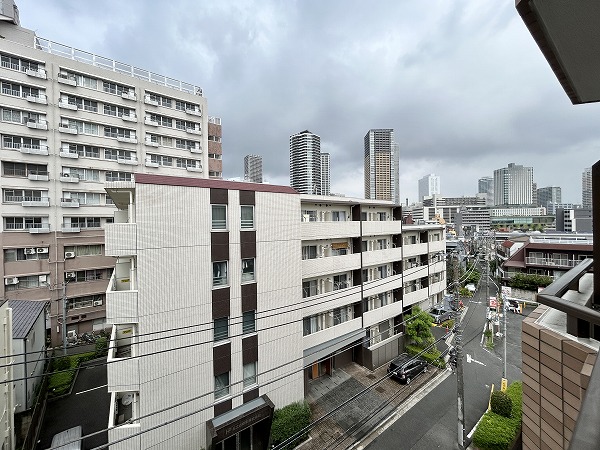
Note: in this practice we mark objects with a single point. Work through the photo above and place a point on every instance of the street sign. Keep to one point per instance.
(504, 384)
(493, 302)
(506, 291)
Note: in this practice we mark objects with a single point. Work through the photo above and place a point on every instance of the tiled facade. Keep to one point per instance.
(556, 371)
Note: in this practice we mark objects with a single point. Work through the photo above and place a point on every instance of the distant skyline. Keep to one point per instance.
(462, 83)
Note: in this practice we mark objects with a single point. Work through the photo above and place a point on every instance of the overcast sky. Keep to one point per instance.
(462, 83)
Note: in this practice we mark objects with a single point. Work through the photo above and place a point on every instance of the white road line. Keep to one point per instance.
(92, 389)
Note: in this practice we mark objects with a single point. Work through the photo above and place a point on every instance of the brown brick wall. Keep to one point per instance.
(215, 147)
(216, 165)
(556, 373)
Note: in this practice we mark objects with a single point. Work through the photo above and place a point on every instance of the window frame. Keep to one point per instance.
(245, 223)
(249, 326)
(250, 380)
(220, 329)
(245, 275)
(219, 227)
(222, 385)
(225, 277)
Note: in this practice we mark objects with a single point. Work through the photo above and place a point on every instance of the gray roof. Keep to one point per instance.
(24, 314)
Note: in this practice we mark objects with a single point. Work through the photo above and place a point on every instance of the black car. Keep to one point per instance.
(405, 368)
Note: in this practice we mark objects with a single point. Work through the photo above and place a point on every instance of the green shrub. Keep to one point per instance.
(501, 403)
(529, 282)
(289, 420)
(496, 432)
(448, 324)
(101, 347)
(60, 383)
(432, 356)
(62, 363)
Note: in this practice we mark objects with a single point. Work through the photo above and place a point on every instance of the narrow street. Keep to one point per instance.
(433, 422)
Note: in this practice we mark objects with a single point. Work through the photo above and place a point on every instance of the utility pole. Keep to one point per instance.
(505, 312)
(460, 387)
(64, 317)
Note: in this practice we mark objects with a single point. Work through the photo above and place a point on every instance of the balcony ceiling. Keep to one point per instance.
(568, 35)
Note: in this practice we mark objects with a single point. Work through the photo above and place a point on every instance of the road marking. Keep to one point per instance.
(470, 360)
(92, 389)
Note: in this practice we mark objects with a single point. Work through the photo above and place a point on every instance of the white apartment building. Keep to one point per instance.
(249, 302)
(72, 120)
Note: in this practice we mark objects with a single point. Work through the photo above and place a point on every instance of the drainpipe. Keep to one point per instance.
(25, 371)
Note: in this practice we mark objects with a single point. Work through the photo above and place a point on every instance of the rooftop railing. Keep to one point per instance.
(66, 51)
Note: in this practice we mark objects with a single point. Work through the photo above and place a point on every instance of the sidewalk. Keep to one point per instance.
(355, 420)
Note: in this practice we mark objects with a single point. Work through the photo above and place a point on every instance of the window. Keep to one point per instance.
(28, 282)
(85, 302)
(340, 282)
(338, 216)
(221, 385)
(249, 374)
(82, 222)
(25, 254)
(249, 322)
(381, 216)
(87, 82)
(382, 272)
(247, 217)
(341, 315)
(248, 270)
(309, 288)
(85, 250)
(118, 176)
(161, 160)
(88, 151)
(410, 239)
(84, 198)
(24, 223)
(81, 173)
(309, 216)
(221, 330)
(381, 244)
(88, 275)
(220, 273)
(309, 251)
(219, 217)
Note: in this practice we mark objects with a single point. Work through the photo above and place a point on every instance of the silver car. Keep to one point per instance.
(440, 315)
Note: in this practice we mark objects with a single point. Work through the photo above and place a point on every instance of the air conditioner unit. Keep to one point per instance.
(42, 278)
(42, 250)
(11, 280)
(30, 251)
(69, 255)
(70, 275)
(97, 303)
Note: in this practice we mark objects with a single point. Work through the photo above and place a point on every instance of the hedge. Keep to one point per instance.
(60, 383)
(432, 356)
(289, 420)
(495, 432)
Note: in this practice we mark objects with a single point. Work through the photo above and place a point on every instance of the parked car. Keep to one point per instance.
(405, 368)
(440, 315)
(471, 288)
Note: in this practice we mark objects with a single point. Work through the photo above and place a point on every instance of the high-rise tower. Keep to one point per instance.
(253, 168)
(513, 185)
(381, 165)
(429, 185)
(325, 173)
(586, 188)
(305, 162)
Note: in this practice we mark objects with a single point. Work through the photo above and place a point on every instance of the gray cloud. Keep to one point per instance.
(462, 83)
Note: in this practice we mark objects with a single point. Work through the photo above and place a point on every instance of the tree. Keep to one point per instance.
(418, 328)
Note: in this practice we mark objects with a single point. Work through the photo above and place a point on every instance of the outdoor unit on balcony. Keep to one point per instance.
(42, 250)
(11, 280)
(30, 251)
(97, 303)
(69, 255)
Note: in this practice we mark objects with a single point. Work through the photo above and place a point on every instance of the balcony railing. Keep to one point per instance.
(551, 261)
(110, 64)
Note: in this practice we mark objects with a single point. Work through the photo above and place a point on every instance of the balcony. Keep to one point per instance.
(128, 161)
(66, 105)
(69, 203)
(375, 227)
(329, 230)
(194, 169)
(150, 143)
(123, 138)
(194, 112)
(149, 121)
(550, 262)
(37, 176)
(123, 371)
(120, 239)
(378, 315)
(43, 202)
(34, 149)
(380, 285)
(65, 128)
(195, 149)
(39, 125)
(121, 432)
(121, 294)
(415, 249)
(69, 228)
(149, 101)
(129, 96)
(38, 228)
(67, 154)
(64, 78)
(66, 178)
(40, 98)
(193, 131)
(129, 117)
(418, 296)
(330, 264)
(329, 334)
(39, 73)
(377, 257)
(149, 163)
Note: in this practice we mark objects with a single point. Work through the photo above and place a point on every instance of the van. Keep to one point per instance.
(68, 440)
